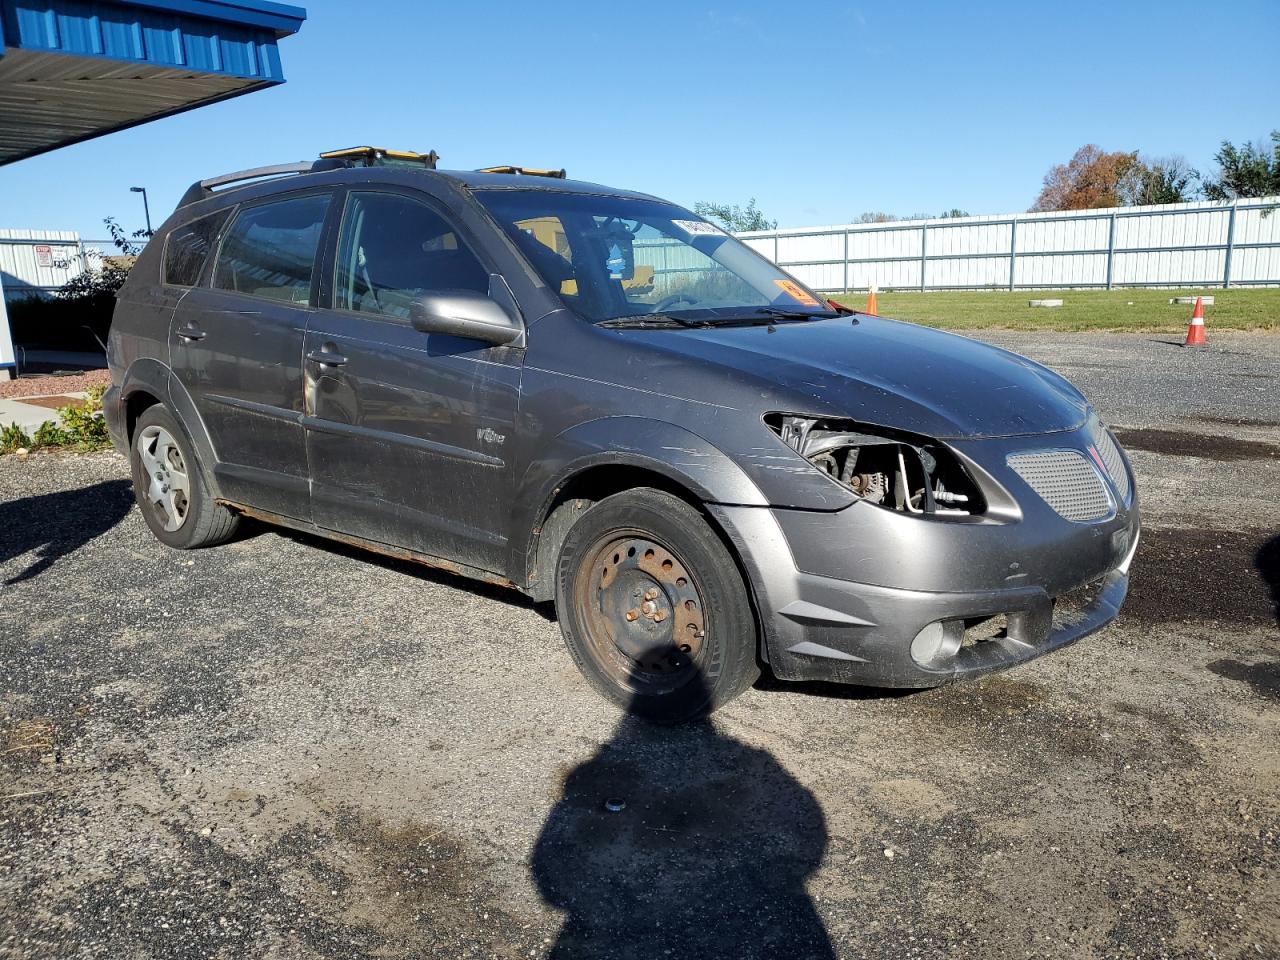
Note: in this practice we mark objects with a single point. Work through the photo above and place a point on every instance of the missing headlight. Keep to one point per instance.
(895, 470)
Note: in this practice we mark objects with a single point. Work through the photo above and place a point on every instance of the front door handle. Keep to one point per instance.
(326, 358)
(189, 331)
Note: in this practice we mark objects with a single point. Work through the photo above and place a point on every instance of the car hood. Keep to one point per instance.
(886, 372)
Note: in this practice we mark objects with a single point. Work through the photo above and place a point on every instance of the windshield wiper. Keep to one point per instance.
(668, 321)
(783, 314)
(650, 321)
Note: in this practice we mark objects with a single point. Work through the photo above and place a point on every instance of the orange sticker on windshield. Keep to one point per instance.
(796, 292)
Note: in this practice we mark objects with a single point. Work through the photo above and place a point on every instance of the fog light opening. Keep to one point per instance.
(937, 643)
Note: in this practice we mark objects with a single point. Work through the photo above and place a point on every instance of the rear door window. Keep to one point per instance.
(270, 250)
(394, 249)
(188, 247)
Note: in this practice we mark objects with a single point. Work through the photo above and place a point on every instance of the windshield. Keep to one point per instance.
(611, 257)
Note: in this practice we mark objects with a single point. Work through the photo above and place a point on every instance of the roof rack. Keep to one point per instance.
(524, 171)
(381, 156)
(330, 160)
(205, 188)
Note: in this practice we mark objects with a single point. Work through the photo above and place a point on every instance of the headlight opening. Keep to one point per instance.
(886, 467)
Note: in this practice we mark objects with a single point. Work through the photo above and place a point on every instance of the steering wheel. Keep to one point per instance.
(669, 301)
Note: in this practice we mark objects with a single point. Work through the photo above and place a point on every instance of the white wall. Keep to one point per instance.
(20, 268)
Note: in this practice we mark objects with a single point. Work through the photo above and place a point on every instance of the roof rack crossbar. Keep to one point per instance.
(204, 188)
(524, 171)
(372, 156)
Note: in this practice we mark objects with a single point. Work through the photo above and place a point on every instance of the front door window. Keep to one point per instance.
(393, 250)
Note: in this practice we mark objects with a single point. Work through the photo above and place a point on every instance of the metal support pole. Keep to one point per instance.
(846, 261)
(1111, 250)
(146, 207)
(775, 249)
(924, 252)
(1231, 243)
(1013, 250)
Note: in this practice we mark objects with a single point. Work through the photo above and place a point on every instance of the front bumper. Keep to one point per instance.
(842, 596)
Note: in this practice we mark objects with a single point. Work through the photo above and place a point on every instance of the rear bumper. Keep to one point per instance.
(1054, 583)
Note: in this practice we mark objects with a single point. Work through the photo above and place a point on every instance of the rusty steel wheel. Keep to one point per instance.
(643, 611)
(653, 608)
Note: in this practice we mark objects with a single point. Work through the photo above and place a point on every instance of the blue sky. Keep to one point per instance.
(819, 110)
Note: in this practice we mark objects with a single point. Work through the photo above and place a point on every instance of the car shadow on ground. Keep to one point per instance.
(53, 525)
(682, 842)
(768, 683)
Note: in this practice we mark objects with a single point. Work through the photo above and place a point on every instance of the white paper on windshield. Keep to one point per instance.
(697, 227)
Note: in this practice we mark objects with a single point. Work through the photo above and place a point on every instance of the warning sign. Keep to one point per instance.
(44, 255)
(796, 292)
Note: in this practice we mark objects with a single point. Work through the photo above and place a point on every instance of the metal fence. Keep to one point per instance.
(1170, 245)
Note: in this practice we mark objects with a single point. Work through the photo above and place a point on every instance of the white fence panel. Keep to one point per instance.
(1255, 264)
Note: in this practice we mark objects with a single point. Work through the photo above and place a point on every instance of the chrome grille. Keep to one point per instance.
(1066, 480)
(1110, 453)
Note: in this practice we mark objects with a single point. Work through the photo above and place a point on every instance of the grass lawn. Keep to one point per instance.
(1131, 309)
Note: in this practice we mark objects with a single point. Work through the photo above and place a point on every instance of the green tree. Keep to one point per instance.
(1250, 170)
(95, 289)
(1160, 180)
(734, 218)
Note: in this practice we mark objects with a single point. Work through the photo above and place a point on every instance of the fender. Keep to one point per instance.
(151, 376)
(661, 447)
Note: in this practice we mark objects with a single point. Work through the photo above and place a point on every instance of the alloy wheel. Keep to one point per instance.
(168, 488)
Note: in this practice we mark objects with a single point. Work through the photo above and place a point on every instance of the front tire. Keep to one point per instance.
(169, 485)
(653, 609)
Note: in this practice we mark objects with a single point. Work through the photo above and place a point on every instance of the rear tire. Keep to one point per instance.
(653, 609)
(169, 485)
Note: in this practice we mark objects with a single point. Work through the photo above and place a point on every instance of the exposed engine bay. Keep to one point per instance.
(899, 472)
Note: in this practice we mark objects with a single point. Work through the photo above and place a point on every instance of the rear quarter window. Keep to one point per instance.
(187, 248)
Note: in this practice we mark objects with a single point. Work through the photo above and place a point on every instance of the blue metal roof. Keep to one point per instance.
(206, 35)
(70, 69)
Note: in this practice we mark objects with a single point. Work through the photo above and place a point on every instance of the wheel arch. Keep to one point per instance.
(148, 382)
(615, 454)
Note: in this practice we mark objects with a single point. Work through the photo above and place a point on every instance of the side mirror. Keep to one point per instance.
(463, 313)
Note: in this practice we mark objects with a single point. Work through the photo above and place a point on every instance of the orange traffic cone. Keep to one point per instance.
(871, 303)
(1195, 329)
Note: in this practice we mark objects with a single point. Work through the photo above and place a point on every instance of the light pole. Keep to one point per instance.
(146, 207)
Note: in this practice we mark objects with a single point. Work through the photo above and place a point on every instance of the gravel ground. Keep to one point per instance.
(285, 748)
(44, 384)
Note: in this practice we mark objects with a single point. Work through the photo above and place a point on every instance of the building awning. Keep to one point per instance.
(71, 70)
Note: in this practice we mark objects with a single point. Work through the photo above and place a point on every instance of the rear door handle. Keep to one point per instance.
(191, 332)
(326, 358)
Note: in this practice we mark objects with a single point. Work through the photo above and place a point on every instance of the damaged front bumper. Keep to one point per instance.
(870, 596)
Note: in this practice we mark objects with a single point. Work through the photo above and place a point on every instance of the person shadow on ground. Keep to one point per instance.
(53, 525)
(682, 842)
